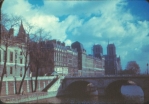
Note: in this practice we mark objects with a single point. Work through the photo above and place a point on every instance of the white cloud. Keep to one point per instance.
(68, 42)
(89, 22)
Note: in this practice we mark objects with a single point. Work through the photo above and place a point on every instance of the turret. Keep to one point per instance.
(22, 34)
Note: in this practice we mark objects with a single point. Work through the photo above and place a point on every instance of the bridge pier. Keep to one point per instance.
(101, 91)
(146, 96)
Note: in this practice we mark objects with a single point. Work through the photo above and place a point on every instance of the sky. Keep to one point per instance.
(123, 22)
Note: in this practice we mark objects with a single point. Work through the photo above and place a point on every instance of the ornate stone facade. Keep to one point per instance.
(15, 49)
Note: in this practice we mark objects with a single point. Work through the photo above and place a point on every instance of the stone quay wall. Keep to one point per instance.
(29, 97)
(9, 86)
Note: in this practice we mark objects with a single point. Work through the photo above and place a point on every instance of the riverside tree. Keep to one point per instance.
(26, 33)
(40, 55)
(132, 68)
(7, 39)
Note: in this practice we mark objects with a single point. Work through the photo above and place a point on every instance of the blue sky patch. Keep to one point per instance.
(36, 2)
(123, 22)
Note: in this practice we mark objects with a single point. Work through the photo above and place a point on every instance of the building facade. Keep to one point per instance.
(88, 63)
(63, 59)
(15, 52)
(112, 62)
(72, 59)
(97, 51)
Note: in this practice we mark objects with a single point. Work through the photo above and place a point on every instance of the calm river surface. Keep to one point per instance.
(132, 94)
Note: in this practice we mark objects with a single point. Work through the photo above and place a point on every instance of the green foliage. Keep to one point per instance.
(132, 68)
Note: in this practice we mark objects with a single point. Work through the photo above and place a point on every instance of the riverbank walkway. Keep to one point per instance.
(20, 98)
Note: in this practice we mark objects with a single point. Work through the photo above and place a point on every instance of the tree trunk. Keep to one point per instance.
(26, 67)
(4, 69)
(22, 82)
(36, 81)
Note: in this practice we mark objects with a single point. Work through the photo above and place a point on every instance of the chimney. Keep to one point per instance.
(54, 41)
(58, 42)
(11, 32)
(63, 44)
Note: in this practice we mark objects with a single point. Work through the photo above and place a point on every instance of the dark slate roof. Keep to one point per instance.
(77, 45)
(22, 34)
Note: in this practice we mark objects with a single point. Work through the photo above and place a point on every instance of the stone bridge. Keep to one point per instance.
(106, 84)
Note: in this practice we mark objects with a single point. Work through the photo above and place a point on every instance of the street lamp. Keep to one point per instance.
(147, 67)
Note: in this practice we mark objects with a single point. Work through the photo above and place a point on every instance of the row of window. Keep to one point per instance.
(97, 65)
(60, 64)
(11, 70)
(60, 57)
(11, 57)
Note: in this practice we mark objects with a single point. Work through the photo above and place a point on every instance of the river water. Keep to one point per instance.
(132, 94)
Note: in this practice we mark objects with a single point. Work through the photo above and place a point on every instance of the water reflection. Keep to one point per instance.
(131, 94)
(79, 100)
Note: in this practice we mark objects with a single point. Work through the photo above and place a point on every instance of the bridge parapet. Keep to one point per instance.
(92, 76)
(101, 82)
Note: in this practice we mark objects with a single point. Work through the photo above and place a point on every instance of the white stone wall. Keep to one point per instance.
(61, 70)
(55, 86)
(15, 63)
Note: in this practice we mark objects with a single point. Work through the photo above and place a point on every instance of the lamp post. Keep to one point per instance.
(147, 67)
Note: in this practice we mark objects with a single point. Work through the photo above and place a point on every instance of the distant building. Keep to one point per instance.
(88, 62)
(112, 62)
(97, 51)
(58, 52)
(81, 51)
(72, 59)
(63, 58)
(15, 57)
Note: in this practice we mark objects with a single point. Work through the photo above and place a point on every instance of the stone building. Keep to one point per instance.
(63, 58)
(72, 59)
(112, 62)
(58, 53)
(97, 51)
(16, 47)
(88, 63)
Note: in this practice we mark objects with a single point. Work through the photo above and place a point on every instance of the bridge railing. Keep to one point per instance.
(86, 74)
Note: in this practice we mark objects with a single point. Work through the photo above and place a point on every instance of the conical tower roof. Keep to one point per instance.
(21, 34)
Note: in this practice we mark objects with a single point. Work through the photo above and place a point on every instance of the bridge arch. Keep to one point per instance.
(103, 83)
(113, 89)
(78, 87)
